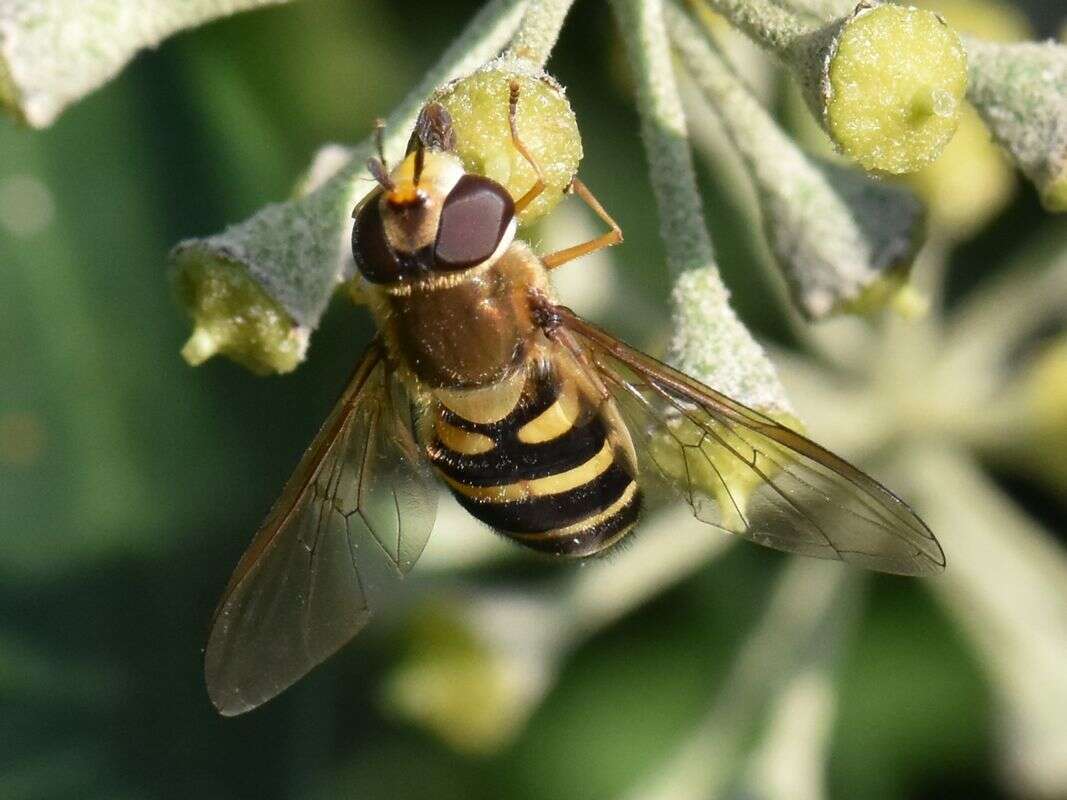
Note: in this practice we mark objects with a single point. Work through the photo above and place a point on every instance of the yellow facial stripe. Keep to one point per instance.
(539, 487)
(460, 441)
(554, 421)
(403, 195)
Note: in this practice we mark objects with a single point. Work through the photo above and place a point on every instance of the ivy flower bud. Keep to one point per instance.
(476, 667)
(257, 289)
(545, 122)
(233, 316)
(887, 84)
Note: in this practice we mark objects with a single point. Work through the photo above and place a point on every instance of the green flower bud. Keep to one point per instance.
(475, 669)
(972, 180)
(233, 316)
(886, 82)
(545, 122)
(892, 83)
(719, 476)
(286, 261)
(843, 240)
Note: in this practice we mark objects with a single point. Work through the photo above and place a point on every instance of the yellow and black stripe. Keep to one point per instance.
(546, 475)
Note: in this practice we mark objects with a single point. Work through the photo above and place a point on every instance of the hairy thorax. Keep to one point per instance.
(467, 331)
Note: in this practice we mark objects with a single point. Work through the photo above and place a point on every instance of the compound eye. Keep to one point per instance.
(474, 219)
(370, 248)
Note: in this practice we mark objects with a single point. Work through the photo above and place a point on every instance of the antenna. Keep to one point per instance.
(379, 141)
(379, 167)
(379, 173)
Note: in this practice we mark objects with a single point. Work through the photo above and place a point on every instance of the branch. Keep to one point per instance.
(54, 52)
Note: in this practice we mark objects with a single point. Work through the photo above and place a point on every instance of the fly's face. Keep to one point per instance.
(430, 221)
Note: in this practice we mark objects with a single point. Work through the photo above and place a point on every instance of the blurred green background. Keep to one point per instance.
(130, 483)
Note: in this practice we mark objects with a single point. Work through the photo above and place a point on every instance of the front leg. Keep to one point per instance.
(612, 237)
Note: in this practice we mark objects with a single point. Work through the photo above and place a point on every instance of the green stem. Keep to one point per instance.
(772, 25)
(710, 342)
(539, 31)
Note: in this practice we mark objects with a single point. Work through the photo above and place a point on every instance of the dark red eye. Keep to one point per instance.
(474, 219)
(373, 255)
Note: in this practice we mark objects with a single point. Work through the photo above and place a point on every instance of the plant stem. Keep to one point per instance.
(709, 342)
(770, 24)
(539, 31)
(666, 137)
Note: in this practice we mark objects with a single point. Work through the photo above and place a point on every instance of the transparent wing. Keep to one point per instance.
(743, 472)
(353, 518)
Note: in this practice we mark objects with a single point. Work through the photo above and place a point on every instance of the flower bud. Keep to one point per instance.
(887, 84)
(233, 316)
(479, 105)
(476, 667)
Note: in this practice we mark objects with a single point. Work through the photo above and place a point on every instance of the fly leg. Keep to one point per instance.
(614, 236)
(539, 185)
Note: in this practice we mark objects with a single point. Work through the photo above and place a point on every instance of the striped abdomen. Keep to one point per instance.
(548, 474)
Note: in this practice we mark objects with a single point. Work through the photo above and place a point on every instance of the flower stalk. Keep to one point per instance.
(538, 31)
(709, 342)
(1020, 90)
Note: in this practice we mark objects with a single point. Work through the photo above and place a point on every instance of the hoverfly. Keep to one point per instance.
(543, 426)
